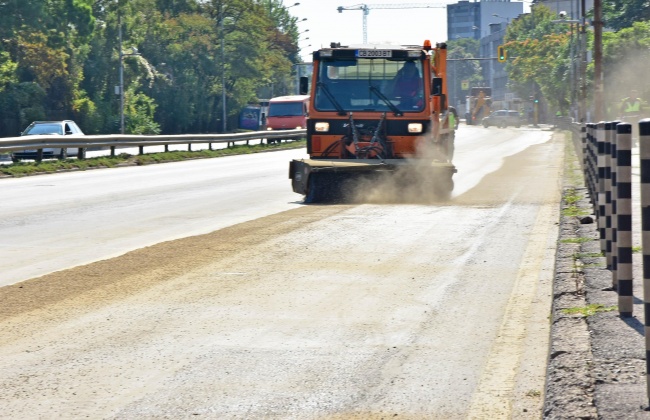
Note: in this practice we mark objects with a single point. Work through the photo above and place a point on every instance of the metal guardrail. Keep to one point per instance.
(40, 142)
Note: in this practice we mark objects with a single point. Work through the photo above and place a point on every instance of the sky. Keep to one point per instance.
(395, 26)
(404, 26)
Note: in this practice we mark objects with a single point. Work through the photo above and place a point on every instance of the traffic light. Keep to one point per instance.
(502, 55)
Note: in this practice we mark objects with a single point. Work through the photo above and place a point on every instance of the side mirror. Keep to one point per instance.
(304, 85)
(436, 86)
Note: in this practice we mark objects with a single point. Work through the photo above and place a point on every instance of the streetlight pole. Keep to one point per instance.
(119, 30)
(223, 70)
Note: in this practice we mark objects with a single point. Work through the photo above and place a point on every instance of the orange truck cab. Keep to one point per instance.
(287, 112)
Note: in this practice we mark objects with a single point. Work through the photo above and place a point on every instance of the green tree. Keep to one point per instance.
(539, 58)
(622, 14)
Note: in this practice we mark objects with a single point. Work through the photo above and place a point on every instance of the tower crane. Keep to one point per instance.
(365, 8)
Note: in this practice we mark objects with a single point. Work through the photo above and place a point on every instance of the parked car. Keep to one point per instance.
(55, 128)
(502, 118)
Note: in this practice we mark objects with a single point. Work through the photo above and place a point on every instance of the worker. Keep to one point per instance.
(453, 118)
(408, 86)
(631, 108)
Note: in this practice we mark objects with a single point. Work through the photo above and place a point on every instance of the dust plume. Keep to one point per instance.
(423, 179)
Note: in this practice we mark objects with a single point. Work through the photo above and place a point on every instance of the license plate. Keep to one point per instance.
(374, 53)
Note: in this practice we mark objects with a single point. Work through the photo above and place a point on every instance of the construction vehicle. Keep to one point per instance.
(363, 134)
(478, 105)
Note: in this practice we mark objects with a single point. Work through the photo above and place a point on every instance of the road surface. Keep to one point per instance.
(279, 310)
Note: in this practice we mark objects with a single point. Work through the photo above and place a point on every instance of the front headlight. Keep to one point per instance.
(415, 127)
(322, 127)
(269, 129)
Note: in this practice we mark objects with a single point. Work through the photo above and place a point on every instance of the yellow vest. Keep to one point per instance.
(632, 106)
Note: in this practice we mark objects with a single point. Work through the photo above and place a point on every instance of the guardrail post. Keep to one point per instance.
(644, 155)
(614, 193)
(166, 148)
(608, 194)
(39, 155)
(141, 149)
(112, 151)
(591, 167)
(600, 141)
(583, 144)
(189, 147)
(623, 277)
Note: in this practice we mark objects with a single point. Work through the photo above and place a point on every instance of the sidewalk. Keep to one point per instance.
(597, 359)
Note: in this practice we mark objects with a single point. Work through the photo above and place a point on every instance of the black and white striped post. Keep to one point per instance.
(591, 166)
(600, 144)
(644, 155)
(608, 194)
(584, 144)
(612, 133)
(622, 277)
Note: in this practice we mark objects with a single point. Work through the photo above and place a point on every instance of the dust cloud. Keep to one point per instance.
(423, 179)
(624, 78)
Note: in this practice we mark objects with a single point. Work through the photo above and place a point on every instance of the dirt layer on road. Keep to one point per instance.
(62, 297)
(111, 280)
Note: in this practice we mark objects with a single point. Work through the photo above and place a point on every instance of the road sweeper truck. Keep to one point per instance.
(378, 116)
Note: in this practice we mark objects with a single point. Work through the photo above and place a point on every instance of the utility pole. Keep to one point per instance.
(583, 63)
(598, 61)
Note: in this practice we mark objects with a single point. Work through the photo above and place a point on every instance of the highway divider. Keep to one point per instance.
(40, 142)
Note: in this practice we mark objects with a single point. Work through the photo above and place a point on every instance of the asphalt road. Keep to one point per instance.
(274, 309)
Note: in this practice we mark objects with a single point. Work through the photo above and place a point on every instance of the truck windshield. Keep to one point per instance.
(355, 84)
(286, 109)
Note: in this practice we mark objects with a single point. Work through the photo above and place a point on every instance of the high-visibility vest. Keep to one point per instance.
(632, 106)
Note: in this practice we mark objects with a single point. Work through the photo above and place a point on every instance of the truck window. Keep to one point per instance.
(353, 84)
(286, 109)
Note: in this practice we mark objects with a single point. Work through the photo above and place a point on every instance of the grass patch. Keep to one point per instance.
(571, 196)
(589, 255)
(597, 265)
(20, 169)
(573, 211)
(575, 240)
(637, 249)
(589, 310)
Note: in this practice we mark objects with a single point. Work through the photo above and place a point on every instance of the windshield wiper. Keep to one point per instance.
(331, 97)
(387, 101)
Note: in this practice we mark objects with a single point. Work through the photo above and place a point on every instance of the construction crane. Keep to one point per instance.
(365, 8)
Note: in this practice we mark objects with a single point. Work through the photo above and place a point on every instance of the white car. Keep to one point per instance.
(55, 128)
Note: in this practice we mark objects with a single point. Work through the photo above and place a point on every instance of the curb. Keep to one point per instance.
(596, 364)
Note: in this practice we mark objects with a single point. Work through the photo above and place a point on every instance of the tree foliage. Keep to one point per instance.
(621, 14)
(539, 57)
(61, 59)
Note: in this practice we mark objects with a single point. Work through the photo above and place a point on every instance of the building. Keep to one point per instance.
(467, 19)
(486, 21)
